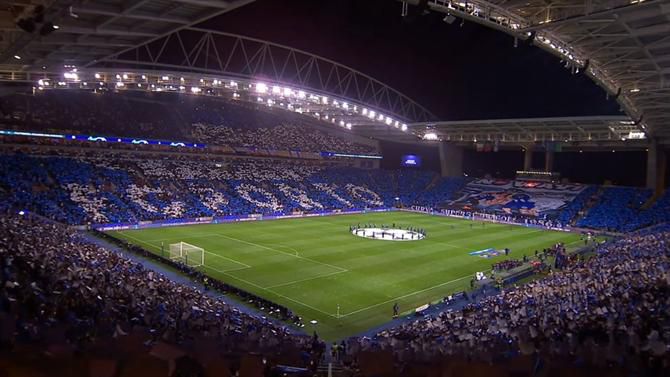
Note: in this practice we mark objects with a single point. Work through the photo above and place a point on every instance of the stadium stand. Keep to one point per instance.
(88, 113)
(104, 187)
(617, 209)
(169, 117)
(64, 311)
(607, 311)
(604, 311)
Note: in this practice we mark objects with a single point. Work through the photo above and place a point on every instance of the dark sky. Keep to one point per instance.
(457, 72)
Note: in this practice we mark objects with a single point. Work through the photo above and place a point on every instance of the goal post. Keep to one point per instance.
(187, 254)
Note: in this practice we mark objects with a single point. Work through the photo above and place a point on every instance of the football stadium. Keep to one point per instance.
(336, 188)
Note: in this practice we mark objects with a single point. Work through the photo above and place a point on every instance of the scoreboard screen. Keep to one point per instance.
(411, 160)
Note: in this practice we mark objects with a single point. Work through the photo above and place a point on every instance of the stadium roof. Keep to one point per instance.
(602, 129)
(80, 32)
(623, 45)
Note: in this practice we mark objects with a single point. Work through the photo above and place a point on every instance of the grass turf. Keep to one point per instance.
(313, 264)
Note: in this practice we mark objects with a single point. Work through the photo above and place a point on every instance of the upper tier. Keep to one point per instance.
(174, 117)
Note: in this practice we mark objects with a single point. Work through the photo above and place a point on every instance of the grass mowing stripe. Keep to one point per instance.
(405, 296)
(279, 251)
(312, 265)
(206, 252)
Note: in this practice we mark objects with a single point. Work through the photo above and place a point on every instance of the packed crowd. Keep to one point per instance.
(608, 310)
(52, 281)
(507, 265)
(86, 112)
(617, 209)
(169, 116)
(82, 185)
(110, 188)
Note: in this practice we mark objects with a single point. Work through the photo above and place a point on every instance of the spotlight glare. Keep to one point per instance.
(261, 87)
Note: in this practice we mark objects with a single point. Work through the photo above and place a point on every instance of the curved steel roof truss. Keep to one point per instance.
(213, 52)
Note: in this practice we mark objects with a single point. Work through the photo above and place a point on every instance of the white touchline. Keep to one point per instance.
(279, 294)
(254, 284)
(306, 279)
(283, 252)
(206, 252)
(407, 295)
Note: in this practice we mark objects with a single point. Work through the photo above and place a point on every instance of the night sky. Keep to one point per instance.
(457, 72)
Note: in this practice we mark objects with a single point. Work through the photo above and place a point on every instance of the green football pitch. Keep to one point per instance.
(313, 265)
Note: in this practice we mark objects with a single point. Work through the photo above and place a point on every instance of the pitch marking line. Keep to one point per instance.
(279, 294)
(206, 252)
(306, 279)
(283, 252)
(403, 296)
(250, 283)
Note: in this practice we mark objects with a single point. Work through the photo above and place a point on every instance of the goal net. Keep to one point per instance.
(187, 254)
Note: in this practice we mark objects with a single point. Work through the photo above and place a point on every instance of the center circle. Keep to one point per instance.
(388, 234)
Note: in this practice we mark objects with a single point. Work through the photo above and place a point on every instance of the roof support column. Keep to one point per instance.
(656, 164)
(549, 161)
(451, 160)
(528, 157)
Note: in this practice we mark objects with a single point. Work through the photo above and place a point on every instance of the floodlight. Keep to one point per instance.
(430, 136)
(119, 84)
(118, 77)
(165, 78)
(365, 111)
(261, 87)
(144, 77)
(349, 126)
(371, 114)
(97, 75)
(17, 57)
(276, 90)
(404, 127)
(288, 92)
(195, 89)
(301, 94)
(125, 76)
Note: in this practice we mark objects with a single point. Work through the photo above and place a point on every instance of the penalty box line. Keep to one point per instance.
(226, 272)
(283, 252)
(206, 252)
(305, 279)
(404, 296)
